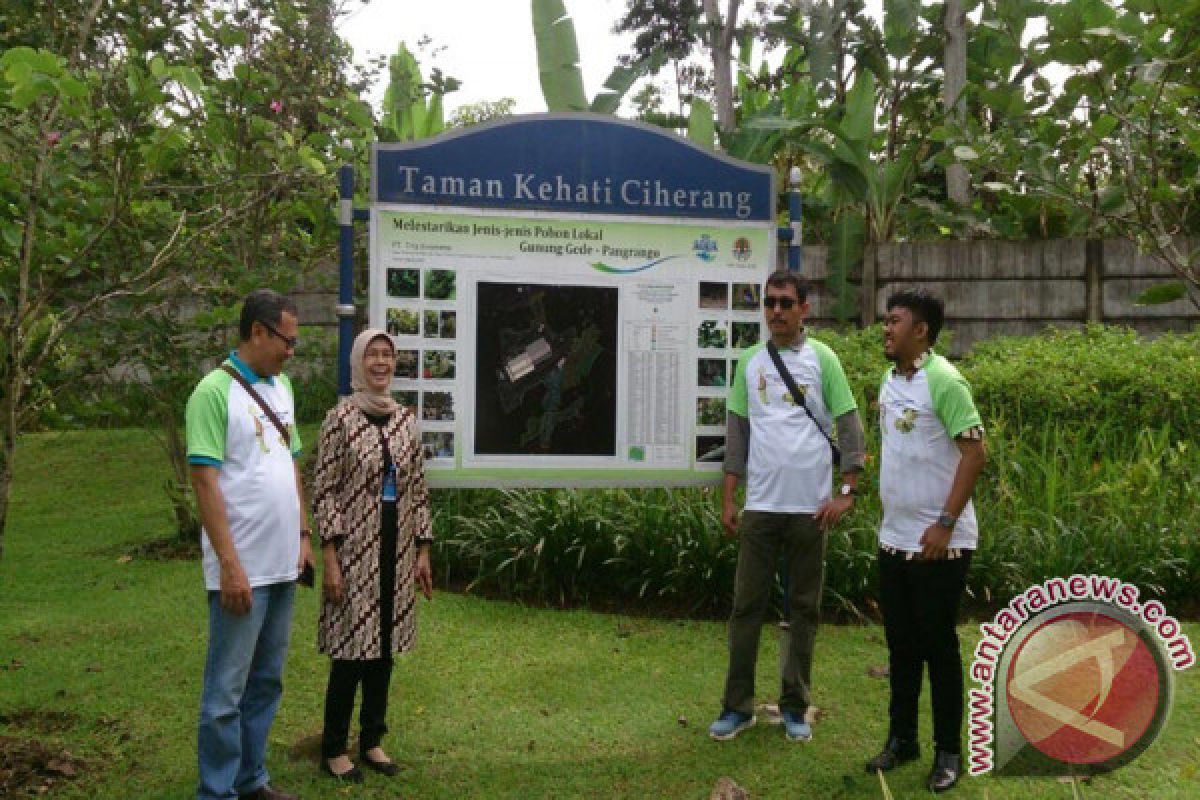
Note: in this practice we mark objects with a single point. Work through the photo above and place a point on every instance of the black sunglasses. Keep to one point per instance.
(774, 300)
(292, 342)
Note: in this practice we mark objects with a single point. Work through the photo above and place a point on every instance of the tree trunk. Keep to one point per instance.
(958, 180)
(720, 40)
(870, 273)
(9, 402)
(7, 448)
(187, 521)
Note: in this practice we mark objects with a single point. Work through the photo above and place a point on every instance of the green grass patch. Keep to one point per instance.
(102, 656)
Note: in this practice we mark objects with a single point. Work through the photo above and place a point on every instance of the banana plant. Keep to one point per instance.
(867, 168)
(558, 64)
(412, 108)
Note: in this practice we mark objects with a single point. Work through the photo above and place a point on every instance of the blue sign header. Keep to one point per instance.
(577, 163)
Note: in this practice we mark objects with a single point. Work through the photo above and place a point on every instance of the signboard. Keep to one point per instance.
(568, 295)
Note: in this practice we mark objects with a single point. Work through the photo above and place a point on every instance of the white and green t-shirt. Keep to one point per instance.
(919, 419)
(226, 428)
(789, 465)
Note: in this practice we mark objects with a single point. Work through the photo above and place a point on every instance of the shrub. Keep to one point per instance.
(1099, 381)
(610, 548)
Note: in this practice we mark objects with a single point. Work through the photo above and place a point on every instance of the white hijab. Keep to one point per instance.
(366, 398)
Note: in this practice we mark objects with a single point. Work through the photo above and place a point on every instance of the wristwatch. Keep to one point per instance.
(847, 490)
(947, 520)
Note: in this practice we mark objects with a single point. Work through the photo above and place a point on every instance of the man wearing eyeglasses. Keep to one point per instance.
(780, 444)
(242, 448)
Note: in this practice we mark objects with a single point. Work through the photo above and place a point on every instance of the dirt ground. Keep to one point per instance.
(31, 765)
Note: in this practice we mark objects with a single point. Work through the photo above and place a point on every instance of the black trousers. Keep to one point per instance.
(920, 601)
(374, 675)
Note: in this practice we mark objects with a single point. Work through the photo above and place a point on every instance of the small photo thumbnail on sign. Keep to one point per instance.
(438, 365)
(437, 406)
(407, 362)
(407, 398)
(402, 322)
(439, 284)
(714, 295)
(437, 444)
(710, 410)
(711, 333)
(745, 334)
(747, 297)
(710, 372)
(403, 282)
(441, 324)
(710, 448)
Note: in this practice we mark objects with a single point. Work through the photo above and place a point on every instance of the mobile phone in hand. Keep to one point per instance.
(307, 576)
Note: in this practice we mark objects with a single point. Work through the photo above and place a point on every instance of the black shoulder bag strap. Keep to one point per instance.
(245, 384)
(798, 397)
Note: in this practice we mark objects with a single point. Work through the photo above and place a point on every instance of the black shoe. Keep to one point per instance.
(352, 775)
(894, 753)
(389, 768)
(944, 774)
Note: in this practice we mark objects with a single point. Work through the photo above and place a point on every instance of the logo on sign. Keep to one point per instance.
(705, 247)
(741, 249)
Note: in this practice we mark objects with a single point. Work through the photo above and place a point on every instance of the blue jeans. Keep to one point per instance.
(243, 681)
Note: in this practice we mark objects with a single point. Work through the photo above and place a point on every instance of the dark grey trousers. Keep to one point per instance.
(764, 538)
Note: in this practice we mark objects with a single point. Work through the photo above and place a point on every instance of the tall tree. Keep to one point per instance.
(1119, 142)
(159, 151)
(671, 30)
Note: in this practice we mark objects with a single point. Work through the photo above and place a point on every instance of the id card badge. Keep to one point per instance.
(389, 484)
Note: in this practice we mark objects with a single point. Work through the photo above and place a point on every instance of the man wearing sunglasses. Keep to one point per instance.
(242, 448)
(780, 444)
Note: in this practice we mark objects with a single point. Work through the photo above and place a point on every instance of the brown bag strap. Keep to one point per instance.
(245, 384)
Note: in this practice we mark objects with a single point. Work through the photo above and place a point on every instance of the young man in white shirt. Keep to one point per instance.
(780, 446)
(932, 454)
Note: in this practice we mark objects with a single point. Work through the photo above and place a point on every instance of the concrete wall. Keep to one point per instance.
(995, 287)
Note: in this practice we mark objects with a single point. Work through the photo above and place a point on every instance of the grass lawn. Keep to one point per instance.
(102, 656)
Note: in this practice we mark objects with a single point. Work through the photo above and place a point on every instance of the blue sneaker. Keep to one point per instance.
(730, 724)
(796, 729)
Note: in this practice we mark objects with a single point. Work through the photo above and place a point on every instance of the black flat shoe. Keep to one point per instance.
(389, 768)
(944, 775)
(352, 775)
(893, 754)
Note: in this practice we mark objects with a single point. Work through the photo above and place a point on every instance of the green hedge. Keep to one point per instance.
(1096, 379)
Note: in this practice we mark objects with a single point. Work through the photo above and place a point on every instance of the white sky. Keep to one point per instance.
(489, 44)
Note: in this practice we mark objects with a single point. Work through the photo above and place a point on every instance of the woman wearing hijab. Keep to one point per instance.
(372, 508)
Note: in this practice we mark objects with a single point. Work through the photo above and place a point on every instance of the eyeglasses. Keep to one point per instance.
(292, 342)
(774, 300)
